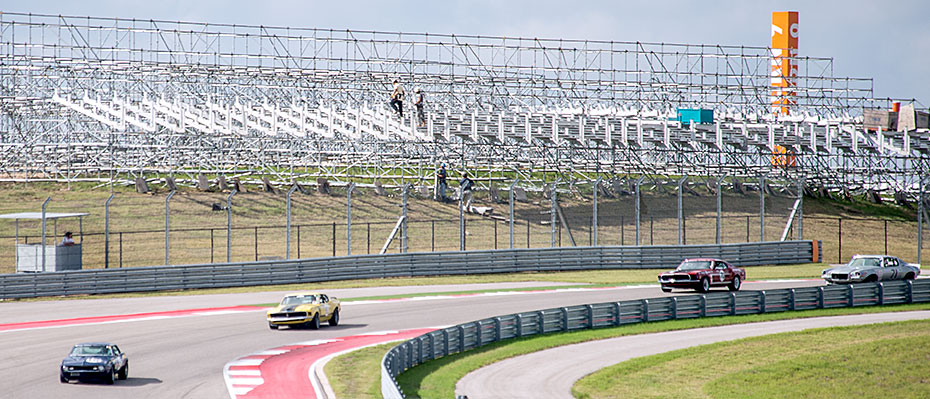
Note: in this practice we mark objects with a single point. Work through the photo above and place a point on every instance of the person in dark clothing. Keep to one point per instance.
(441, 176)
(397, 98)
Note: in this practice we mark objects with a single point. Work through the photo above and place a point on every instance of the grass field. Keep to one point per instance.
(436, 379)
(874, 361)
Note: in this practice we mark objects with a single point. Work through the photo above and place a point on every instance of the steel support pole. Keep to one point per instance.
(552, 225)
(461, 219)
(921, 208)
(597, 184)
(800, 207)
(512, 185)
(403, 226)
(168, 227)
(106, 232)
(636, 207)
(681, 213)
(349, 218)
(761, 208)
(47, 199)
(287, 228)
(229, 225)
(720, 207)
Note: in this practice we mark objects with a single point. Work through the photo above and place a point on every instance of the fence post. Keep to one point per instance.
(762, 208)
(106, 232)
(681, 214)
(791, 299)
(762, 299)
(645, 310)
(349, 218)
(512, 185)
(461, 219)
(886, 237)
(920, 218)
(168, 226)
(403, 226)
(800, 207)
(255, 241)
(597, 184)
(121, 250)
(839, 239)
(287, 229)
(732, 303)
(720, 207)
(552, 217)
(674, 307)
(334, 238)
(47, 199)
(229, 225)
(639, 182)
(881, 293)
(851, 291)
(519, 321)
(617, 309)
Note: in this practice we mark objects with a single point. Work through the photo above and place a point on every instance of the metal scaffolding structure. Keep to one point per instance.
(88, 98)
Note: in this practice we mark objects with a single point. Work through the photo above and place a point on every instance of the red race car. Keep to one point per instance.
(701, 274)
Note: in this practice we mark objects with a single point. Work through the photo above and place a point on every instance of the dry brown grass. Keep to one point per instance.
(432, 226)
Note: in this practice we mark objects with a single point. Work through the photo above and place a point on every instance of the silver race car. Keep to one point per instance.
(870, 268)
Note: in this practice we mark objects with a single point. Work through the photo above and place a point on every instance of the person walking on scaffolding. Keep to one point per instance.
(397, 98)
(419, 101)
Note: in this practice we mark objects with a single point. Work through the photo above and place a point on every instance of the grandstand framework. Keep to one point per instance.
(88, 98)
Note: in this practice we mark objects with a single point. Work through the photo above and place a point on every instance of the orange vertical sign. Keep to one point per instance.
(784, 67)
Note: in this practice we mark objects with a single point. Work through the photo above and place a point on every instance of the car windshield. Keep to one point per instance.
(90, 350)
(865, 262)
(694, 265)
(298, 300)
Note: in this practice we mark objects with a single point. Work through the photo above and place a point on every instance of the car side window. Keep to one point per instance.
(323, 299)
(116, 350)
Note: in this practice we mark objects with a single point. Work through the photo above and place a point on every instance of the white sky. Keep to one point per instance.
(887, 41)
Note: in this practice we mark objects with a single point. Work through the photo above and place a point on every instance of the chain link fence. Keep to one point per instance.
(194, 227)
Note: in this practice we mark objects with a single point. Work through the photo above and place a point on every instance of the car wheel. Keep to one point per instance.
(62, 378)
(909, 276)
(110, 378)
(734, 286)
(666, 289)
(124, 371)
(334, 320)
(705, 285)
(871, 279)
(315, 323)
(273, 326)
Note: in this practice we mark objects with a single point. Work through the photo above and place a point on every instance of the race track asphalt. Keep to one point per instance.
(183, 357)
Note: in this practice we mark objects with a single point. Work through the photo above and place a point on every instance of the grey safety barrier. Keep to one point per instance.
(471, 335)
(224, 275)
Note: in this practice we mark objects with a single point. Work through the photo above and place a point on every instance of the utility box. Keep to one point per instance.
(696, 115)
(910, 119)
(873, 119)
(57, 258)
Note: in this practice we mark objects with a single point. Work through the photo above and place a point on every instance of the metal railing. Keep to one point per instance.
(158, 278)
(471, 335)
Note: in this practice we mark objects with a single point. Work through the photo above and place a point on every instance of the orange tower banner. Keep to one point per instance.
(784, 67)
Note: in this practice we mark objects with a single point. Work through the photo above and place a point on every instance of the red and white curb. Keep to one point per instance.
(80, 321)
(296, 370)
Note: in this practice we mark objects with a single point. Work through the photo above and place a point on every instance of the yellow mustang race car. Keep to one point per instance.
(305, 309)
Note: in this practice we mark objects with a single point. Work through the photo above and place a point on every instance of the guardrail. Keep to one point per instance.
(471, 335)
(224, 275)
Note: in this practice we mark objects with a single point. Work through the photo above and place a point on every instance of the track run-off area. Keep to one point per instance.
(216, 346)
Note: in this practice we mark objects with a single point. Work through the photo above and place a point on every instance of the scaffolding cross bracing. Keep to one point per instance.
(83, 96)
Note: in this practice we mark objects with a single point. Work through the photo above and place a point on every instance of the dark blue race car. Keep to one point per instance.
(97, 360)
